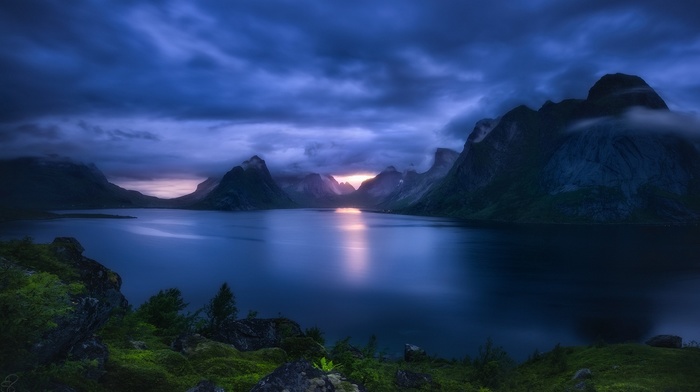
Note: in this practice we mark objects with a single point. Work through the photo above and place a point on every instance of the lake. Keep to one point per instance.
(442, 284)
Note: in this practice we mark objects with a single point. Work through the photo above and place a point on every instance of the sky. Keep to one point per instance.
(162, 94)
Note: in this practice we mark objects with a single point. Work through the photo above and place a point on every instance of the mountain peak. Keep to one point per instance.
(622, 90)
(255, 162)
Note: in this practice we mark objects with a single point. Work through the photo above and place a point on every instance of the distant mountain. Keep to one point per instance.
(316, 190)
(53, 184)
(246, 187)
(590, 160)
(203, 189)
(375, 190)
(413, 185)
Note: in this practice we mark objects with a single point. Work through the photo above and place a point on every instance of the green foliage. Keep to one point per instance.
(557, 359)
(492, 365)
(325, 365)
(38, 257)
(29, 304)
(221, 307)
(316, 334)
(302, 347)
(164, 312)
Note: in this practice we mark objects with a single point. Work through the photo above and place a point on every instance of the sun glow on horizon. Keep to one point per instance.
(355, 179)
(164, 188)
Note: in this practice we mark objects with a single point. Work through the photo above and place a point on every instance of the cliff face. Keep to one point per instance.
(577, 160)
(246, 187)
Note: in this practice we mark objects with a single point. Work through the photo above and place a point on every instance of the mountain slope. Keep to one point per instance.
(575, 161)
(414, 185)
(317, 190)
(246, 187)
(42, 184)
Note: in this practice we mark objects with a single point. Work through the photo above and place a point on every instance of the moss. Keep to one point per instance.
(303, 347)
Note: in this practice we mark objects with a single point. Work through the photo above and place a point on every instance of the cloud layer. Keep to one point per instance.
(178, 89)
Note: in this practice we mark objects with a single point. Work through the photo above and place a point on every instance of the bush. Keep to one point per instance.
(163, 311)
(492, 365)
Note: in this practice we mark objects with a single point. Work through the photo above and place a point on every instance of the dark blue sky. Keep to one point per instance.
(185, 89)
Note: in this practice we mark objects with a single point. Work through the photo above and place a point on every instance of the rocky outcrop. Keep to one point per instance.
(91, 308)
(665, 341)
(246, 187)
(589, 160)
(413, 353)
(409, 379)
(301, 376)
(255, 334)
(91, 349)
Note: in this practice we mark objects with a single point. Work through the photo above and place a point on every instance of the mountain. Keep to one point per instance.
(414, 185)
(316, 190)
(375, 190)
(246, 187)
(203, 189)
(44, 184)
(612, 157)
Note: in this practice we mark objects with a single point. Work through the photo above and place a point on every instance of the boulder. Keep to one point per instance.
(91, 349)
(413, 353)
(409, 379)
(582, 374)
(666, 341)
(255, 334)
(301, 376)
(92, 307)
(206, 386)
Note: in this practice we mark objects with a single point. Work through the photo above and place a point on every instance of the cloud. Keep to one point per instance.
(209, 84)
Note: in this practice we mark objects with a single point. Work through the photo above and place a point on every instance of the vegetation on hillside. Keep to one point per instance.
(35, 288)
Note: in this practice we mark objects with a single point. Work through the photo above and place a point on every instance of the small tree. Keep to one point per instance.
(221, 307)
(163, 311)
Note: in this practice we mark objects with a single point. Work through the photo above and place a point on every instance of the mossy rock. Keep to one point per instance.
(303, 347)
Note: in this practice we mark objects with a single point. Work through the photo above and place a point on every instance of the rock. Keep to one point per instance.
(206, 386)
(138, 344)
(413, 353)
(666, 341)
(301, 376)
(409, 379)
(582, 374)
(91, 349)
(92, 307)
(254, 334)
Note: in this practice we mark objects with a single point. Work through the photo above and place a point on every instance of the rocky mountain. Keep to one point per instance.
(40, 184)
(599, 159)
(414, 185)
(375, 190)
(203, 189)
(246, 187)
(316, 190)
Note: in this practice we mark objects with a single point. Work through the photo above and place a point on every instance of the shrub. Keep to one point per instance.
(163, 311)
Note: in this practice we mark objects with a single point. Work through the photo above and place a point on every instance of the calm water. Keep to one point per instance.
(437, 283)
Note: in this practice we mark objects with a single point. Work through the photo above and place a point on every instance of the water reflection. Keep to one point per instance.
(354, 243)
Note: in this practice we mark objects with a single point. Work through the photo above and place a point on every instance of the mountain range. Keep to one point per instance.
(614, 156)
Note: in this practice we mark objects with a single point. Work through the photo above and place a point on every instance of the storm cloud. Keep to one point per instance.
(188, 89)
